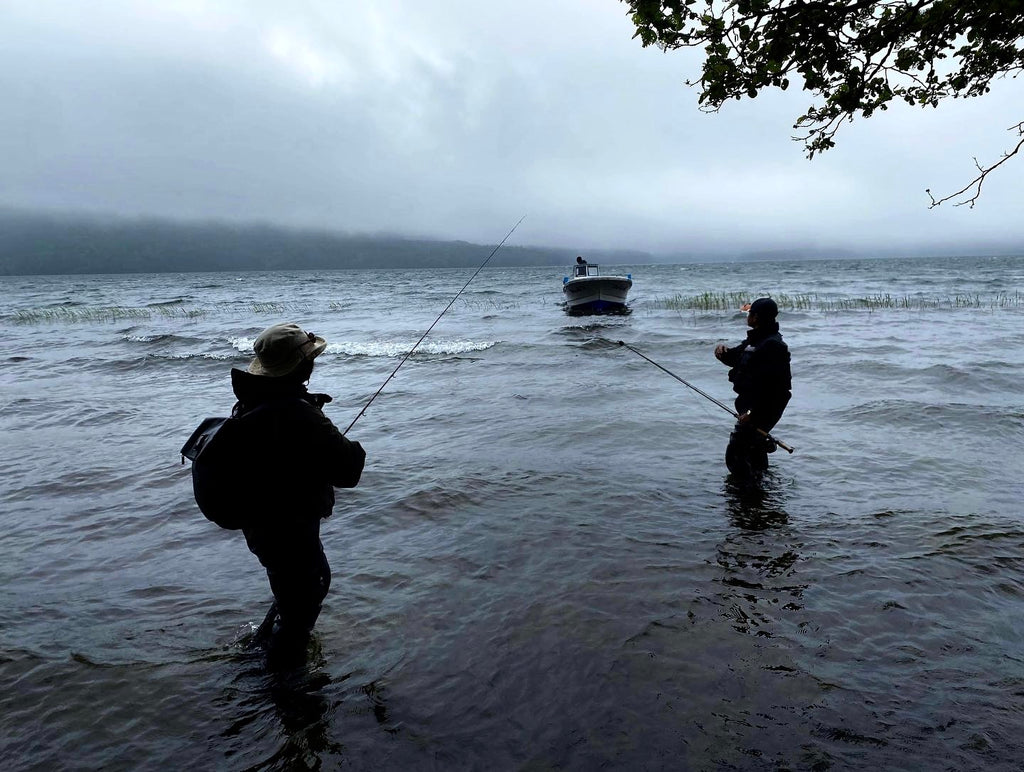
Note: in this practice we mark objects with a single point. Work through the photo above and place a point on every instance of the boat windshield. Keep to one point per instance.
(586, 269)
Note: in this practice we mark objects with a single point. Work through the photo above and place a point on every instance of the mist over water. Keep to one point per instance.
(545, 564)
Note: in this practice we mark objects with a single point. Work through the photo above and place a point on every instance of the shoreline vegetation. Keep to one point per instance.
(703, 302)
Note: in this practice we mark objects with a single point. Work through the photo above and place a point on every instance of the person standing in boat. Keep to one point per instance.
(299, 458)
(760, 376)
(581, 266)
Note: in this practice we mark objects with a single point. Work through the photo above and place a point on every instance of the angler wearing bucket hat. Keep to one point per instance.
(292, 460)
(761, 378)
(283, 347)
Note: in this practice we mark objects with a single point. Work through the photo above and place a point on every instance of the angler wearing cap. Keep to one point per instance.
(297, 457)
(761, 378)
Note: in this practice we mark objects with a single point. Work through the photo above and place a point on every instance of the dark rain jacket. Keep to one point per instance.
(760, 375)
(296, 457)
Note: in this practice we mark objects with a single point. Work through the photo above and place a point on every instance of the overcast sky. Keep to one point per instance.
(454, 118)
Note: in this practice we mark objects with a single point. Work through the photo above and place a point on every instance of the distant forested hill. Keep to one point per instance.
(52, 244)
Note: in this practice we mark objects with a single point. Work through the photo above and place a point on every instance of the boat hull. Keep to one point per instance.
(596, 294)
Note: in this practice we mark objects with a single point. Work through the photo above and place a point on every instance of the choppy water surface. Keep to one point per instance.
(544, 565)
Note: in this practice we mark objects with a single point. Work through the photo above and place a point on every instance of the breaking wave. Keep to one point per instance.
(388, 348)
(397, 348)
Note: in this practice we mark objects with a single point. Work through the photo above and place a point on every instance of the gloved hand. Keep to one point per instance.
(321, 399)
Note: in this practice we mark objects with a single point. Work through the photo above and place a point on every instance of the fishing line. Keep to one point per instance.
(704, 394)
(424, 335)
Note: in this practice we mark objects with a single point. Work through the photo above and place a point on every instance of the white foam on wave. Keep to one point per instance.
(388, 348)
(397, 348)
(242, 344)
(190, 355)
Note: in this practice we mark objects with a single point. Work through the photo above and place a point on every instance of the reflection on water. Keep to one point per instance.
(618, 311)
(299, 715)
(290, 703)
(304, 713)
(756, 505)
(759, 558)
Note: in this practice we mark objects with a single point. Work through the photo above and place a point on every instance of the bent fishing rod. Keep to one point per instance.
(425, 334)
(704, 394)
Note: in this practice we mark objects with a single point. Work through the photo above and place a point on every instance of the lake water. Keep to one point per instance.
(545, 565)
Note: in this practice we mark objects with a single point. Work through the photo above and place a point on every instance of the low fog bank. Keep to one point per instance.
(33, 244)
(48, 244)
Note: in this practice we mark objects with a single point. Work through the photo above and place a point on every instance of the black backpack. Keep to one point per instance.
(218, 449)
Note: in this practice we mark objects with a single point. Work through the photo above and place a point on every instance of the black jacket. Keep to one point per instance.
(296, 458)
(760, 375)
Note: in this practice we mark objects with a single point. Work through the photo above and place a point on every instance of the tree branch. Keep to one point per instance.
(983, 172)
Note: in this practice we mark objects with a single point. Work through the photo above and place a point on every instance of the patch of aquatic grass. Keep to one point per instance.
(82, 314)
(76, 314)
(733, 301)
(484, 305)
(268, 308)
(707, 301)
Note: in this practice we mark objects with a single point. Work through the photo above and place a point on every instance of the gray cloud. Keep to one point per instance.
(452, 119)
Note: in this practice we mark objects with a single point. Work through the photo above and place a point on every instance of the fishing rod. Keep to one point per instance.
(424, 335)
(704, 394)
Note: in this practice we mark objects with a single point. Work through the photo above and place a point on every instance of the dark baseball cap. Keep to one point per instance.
(765, 307)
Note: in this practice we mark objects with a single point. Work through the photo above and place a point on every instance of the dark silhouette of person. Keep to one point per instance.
(297, 457)
(761, 378)
(581, 266)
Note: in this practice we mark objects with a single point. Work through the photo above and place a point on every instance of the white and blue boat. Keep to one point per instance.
(588, 292)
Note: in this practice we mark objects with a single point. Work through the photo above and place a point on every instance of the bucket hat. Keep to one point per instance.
(283, 347)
